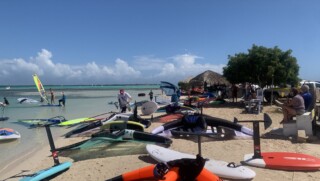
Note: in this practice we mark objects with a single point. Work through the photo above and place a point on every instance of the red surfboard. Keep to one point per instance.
(284, 161)
(168, 117)
(278, 160)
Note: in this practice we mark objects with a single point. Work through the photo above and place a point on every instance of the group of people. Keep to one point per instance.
(62, 101)
(298, 104)
(249, 92)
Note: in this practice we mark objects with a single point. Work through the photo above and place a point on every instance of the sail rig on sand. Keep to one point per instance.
(40, 88)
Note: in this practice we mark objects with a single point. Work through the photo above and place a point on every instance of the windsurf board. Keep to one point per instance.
(149, 107)
(221, 168)
(122, 124)
(4, 118)
(76, 121)
(284, 161)
(51, 105)
(7, 134)
(47, 173)
(168, 117)
(27, 100)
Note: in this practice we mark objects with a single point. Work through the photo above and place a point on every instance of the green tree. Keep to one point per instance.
(260, 65)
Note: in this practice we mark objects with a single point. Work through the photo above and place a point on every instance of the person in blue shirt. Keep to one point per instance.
(62, 100)
(307, 97)
(174, 99)
(178, 93)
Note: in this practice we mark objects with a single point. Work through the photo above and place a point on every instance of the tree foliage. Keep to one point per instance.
(260, 64)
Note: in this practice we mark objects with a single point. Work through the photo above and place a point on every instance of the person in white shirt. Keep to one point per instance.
(124, 99)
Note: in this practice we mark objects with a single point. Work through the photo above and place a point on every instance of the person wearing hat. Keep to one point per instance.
(307, 97)
(124, 99)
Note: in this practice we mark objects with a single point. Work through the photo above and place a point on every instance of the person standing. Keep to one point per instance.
(151, 95)
(5, 101)
(124, 99)
(62, 101)
(179, 93)
(234, 90)
(175, 99)
(307, 97)
(52, 96)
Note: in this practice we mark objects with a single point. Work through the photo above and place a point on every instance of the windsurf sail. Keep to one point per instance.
(168, 88)
(101, 147)
(40, 88)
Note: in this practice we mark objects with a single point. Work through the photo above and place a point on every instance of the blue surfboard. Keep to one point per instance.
(51, 105)
(42, 174)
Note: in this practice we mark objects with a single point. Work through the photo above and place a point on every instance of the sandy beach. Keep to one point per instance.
(226, 150)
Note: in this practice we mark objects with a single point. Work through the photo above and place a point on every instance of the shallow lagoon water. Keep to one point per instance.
(79, 103)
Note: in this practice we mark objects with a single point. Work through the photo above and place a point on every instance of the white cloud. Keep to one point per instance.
(122, 68)
(185, 65)
(143, 69)
(148, 63)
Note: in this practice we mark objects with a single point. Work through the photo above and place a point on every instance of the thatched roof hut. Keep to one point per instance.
(210, 77)
(187, 80)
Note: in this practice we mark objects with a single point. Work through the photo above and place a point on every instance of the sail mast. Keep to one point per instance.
(40, 87)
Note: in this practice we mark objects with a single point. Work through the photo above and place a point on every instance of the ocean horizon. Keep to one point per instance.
(81, 87)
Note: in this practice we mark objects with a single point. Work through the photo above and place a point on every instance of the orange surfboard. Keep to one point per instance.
(284, 161)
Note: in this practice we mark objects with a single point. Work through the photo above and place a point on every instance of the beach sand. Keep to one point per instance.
(226, 150)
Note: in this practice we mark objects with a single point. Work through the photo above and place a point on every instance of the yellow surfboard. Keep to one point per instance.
(76, 121)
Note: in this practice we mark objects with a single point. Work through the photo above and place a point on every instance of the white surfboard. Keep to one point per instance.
(149, 107)
(221, 168)
(8, 134)
(27, 100)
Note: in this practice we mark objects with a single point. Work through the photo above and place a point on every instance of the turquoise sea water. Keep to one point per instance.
(82, 101)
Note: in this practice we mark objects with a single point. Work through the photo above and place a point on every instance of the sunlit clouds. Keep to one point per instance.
(139, 70)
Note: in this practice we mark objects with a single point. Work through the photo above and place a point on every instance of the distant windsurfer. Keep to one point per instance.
(5, 101)
(124, 99)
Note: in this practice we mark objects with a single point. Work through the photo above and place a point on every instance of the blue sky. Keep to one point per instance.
(145, 41)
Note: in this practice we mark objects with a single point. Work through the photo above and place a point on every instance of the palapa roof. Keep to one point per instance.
(187, 80)
(212, 78)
